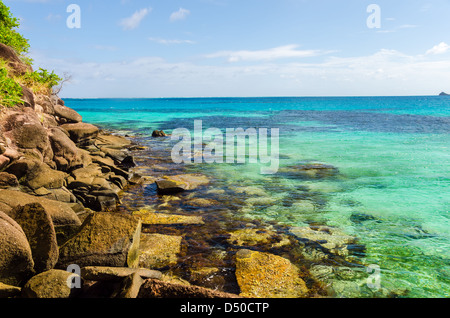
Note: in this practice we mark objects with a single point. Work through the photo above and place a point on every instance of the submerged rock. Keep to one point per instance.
(105, 273)
(179, 183)
(152, 218)
(158, 133)
(264, 275)
(158, 250)
(310, 170)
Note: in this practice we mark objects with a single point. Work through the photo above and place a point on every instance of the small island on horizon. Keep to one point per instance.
(444, 94)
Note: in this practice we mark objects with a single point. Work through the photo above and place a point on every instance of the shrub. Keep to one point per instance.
(8, 35)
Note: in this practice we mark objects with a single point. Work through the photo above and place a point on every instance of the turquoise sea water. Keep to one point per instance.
(393, 155)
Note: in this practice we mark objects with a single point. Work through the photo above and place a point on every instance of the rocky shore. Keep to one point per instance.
(65, 231)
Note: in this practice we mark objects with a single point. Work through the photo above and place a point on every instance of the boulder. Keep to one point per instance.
(8, 180)
(8, 54)
(28, 97)
(158, 250)
(158, 133)
(64, 148)
(112, 141)
(4, 161)
(105, 273)
(104, 239)
(179, 183)
(81, 133)
(53, 284)
(8, 291)
(159, 289)
(310, 170)
(67, 113)
(40, 232)
(61, 213)
(264, 275)
(16, 261)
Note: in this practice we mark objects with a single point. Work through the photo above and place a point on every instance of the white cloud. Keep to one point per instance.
(181, 14)
(133, 22)
(441, 48)
(287, 51)
(170, 41)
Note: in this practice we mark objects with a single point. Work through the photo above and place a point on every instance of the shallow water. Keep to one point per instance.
(392, 191)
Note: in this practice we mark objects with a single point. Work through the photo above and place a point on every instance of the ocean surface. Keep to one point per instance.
(393, 157)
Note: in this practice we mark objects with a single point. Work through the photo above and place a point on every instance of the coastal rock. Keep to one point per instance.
(179, 183)
(8, 291)
(67, 113)
(16, 261)
(8, 180)
(81, 133)
(310, 170)
(17, 66)
(264, 275)
(158, 250)
(38, 228)
(105, 273)
(333, 239)
(159, 289)
(4, 161)
(158, 133)
(112, 141)
(28, 97)
(257, 237)
(63, 217)
(130, 287)
(50, 284)
(153, 218)
(104, 239)
(66, 154)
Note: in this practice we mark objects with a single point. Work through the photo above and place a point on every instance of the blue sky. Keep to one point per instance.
(202, 48)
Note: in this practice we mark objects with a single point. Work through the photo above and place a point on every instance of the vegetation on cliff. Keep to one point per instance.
(11, 81)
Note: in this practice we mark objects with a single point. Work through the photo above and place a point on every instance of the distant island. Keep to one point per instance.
(444, 94)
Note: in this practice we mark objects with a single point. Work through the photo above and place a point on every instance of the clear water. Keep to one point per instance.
(393, 154)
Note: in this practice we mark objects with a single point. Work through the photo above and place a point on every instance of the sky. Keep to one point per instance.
(240, 48)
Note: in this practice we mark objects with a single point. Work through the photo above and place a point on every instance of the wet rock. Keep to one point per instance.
(105, 273)
(264, 275)
(179, 183)
(158, 133)
(310, 170)
(330, 238)
(202, 202)
(257, 237)
(38, 227)
(104, 239)
(8, 291)
(152, 218)
(16, 261)
(70, 115)
(160, 289)
(158, 250)
(50, 284)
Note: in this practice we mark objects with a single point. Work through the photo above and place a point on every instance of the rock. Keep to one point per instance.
(31, 136)
(152, 218)
(179, 183)
(16, 261)
(330, 238)
(160, 289)
(104, 239)
(310, 170)
(66, 154)
(40, 232)
(81, 133)
(28, 97)
(4, 161)
(64, 218)
(264, 275)
(8, 291)
(36, 174)
(105, 273)
(17, 66)
(202, 202)
(8, 180)
(131, 286)
(158, 250)
(257, 237)
(50, 284)
(158, 133)
(112, 142)
(67, 113)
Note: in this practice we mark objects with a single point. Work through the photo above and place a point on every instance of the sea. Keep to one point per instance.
(392, 191)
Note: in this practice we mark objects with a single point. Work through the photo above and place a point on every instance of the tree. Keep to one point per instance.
(8, 34)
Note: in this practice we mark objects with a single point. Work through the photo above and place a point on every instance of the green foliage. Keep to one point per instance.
(10, 90)
(8, 35)
(42, 77)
